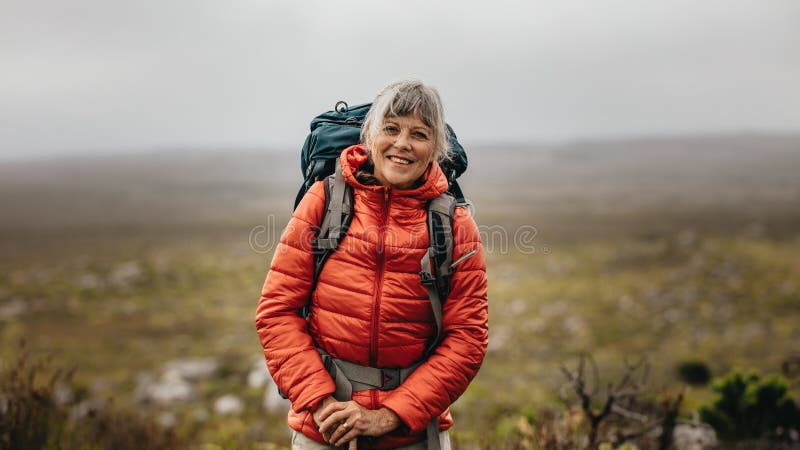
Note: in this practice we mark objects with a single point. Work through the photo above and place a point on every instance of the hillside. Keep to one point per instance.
(747, 177)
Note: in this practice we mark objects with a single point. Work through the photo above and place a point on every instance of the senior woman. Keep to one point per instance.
(369, 309)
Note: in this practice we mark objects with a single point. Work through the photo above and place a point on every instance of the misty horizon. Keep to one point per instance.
(222, 148)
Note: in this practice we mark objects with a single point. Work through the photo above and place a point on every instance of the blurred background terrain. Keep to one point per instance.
(681, 249)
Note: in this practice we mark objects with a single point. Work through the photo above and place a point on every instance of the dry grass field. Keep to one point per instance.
(677, 249)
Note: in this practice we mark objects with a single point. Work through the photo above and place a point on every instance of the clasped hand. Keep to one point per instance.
(341, 422)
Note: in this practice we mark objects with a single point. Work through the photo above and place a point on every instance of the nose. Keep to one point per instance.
(403, 140)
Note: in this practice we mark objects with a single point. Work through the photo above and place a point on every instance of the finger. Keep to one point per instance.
(349, 429)
(330, 409)
(341, 431)
(350, 437)
(330, 424)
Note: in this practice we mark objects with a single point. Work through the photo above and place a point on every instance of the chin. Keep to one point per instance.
(401, 184)
(400, 181)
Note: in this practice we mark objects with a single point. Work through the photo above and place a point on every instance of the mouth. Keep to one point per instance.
(399, 160)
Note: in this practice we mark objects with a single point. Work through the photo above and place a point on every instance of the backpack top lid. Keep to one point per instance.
(333, 131)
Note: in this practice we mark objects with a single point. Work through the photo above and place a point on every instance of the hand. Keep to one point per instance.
(325, 402)
(345, 421)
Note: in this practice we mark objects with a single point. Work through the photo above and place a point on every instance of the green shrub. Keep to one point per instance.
(695, 373)
(108, 428)
(747, 406)
(31, 419)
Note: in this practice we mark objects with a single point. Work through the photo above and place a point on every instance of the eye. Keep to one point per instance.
(421, 135)
(391, 129)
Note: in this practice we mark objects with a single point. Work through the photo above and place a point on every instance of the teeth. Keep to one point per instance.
(399, 160)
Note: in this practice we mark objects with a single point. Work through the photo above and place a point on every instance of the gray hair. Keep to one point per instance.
(409, 98)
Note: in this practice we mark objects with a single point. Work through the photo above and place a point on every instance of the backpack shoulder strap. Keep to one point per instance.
(436, 264)
(335, 221)
(331, 226)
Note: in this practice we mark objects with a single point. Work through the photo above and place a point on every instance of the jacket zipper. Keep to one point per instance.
(376, 306)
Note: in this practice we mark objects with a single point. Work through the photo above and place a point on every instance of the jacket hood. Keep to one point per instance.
(435, 183)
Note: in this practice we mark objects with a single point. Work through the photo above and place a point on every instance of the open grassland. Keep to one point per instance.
(675, 250)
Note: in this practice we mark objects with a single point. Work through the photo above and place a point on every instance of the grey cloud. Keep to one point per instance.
(91, 75)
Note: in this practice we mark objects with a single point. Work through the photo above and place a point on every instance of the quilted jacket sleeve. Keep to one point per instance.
(291, 357)
(448, 371)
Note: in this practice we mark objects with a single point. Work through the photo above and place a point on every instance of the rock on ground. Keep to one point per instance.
(191, 369)
(229, 405)
(694, 437)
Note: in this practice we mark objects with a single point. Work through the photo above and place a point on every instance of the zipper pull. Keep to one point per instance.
(463, 258)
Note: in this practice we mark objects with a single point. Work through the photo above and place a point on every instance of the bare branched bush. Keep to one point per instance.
(624, 411)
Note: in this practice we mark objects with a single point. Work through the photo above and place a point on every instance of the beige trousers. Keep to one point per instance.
(301, 442)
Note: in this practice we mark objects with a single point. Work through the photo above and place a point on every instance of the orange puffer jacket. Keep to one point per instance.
(370, 308)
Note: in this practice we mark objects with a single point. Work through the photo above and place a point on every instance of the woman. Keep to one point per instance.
(369, 308)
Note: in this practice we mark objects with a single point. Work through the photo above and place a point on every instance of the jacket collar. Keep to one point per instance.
(435, 183)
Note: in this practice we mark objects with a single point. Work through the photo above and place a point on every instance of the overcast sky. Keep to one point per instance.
(104, 76)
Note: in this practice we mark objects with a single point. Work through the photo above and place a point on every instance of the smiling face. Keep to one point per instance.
(401, 151)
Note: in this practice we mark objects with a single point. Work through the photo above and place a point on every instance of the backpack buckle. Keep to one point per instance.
(325, 243)
(427, 279)
(390, 379)
(426, 274)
